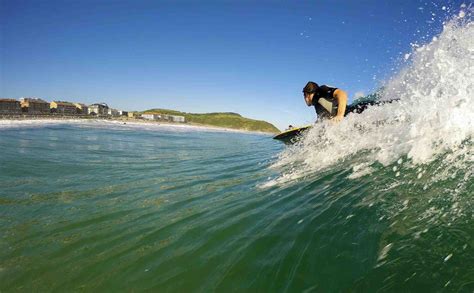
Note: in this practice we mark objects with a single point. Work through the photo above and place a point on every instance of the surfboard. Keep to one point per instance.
(291, 135)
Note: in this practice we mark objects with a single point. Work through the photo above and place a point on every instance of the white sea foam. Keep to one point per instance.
(434, 115)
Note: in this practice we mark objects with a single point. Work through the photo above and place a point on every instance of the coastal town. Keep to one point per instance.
(28, 108)
(33, 108)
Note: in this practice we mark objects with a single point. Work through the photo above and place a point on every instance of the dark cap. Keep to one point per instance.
(311, 87)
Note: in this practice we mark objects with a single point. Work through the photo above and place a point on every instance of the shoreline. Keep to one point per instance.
(25, 120)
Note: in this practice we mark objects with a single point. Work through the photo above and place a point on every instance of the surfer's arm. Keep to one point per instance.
(341, 97)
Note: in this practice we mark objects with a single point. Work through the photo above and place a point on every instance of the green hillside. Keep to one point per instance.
(223, 119)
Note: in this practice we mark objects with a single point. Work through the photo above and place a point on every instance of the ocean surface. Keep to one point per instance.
(94, 206)
(381, 202)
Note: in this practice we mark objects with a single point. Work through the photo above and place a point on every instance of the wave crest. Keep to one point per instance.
(433, 116)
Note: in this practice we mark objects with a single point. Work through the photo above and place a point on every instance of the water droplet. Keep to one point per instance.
(448, 257)
(384, 252)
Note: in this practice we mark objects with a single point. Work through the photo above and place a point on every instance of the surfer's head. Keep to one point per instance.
(308, 92)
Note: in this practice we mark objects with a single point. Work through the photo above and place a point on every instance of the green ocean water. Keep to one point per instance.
(92, 207)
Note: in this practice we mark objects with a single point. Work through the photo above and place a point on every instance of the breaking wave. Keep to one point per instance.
(410, 162)
(431, 120)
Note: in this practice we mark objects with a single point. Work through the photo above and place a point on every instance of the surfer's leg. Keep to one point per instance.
(360, 107)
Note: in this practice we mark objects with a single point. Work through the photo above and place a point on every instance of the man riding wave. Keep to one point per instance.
(331, 103)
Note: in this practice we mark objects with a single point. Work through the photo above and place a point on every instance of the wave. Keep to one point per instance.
(401, 171)
(432, 119)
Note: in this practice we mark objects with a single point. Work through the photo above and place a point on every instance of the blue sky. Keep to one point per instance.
(249, 57)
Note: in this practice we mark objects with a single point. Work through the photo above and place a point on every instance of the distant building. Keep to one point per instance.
(150, 116)
(133, 115)
(172, 118)
(175, 118)
(81, 108)
(62, 107)
(10, 106)
(113, 112)
(34, 106)
(123, 113)
(101, 109)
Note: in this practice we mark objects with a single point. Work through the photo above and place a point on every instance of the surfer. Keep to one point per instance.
(329, 102)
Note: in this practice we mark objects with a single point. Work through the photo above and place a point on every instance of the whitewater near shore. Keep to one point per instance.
(143, 124)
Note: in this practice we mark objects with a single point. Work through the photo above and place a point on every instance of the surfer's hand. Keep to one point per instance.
(337, 118)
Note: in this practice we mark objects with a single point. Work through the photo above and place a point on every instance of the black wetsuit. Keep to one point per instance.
(326, 105)
(324, 102)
